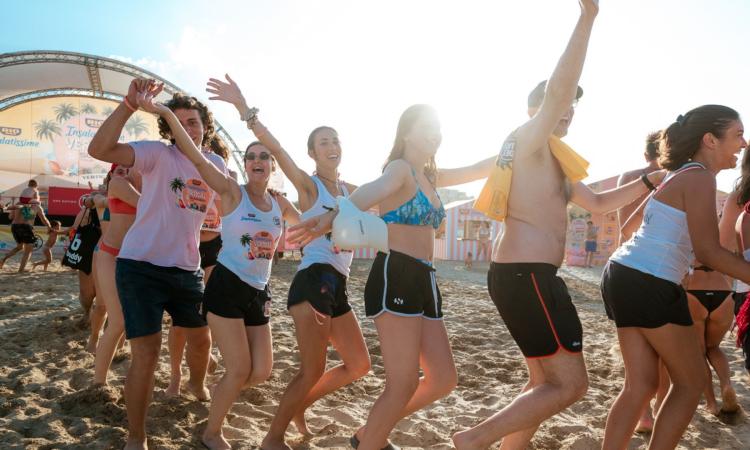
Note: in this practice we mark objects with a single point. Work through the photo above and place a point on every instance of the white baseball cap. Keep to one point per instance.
(354, 229)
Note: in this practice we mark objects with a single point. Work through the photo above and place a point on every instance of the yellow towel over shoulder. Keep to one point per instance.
(493, 200)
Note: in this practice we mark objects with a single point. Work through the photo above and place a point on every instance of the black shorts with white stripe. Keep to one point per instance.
(404, 286)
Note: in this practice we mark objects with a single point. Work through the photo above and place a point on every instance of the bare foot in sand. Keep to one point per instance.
(729, 400)
(464, 441)
(712, 408)
(301, 424)
(271, 444)
(91, 345)
(173, 390)
(199, 392)
(646, 423)
(136, 444)
(215, 442)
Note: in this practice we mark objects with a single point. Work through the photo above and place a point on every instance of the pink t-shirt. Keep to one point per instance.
(173, 204)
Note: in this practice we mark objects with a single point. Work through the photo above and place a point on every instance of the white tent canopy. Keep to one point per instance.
(31, 75)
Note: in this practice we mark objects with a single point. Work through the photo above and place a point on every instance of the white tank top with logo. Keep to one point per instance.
(321, 250)
(661, 247)
(249, 238)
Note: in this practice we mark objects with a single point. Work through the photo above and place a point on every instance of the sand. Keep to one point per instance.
(46, 400)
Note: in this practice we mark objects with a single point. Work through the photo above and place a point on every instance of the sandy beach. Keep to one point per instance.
(46, 401)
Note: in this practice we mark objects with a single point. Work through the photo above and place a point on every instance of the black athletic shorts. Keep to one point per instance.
(636, 299)
(209, 251)
(536, 307)
(147, 290)
(402, 285)
(323, 287)
(226, 295)
(23, 233)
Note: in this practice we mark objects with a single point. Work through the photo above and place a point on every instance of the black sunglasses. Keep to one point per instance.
(263, 156)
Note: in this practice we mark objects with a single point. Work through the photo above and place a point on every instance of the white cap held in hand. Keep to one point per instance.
(354, 229)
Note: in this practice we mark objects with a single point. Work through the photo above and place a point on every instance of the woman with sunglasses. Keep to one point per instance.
(237, 298)
(317, 300)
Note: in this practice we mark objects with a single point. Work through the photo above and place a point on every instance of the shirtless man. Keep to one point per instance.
(30, 192)
(22, 227)
(522, 278)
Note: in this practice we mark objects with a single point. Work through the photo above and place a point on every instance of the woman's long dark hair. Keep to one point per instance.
(682, 140)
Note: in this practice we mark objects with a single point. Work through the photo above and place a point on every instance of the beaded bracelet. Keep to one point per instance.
(251, 117)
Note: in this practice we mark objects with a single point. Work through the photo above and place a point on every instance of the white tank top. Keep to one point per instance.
(249, 237)
(321, 250)
(661, 247)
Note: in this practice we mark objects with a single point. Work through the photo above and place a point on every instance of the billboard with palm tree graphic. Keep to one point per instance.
(48, 139)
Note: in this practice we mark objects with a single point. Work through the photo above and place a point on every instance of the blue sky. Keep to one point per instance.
(356, 65)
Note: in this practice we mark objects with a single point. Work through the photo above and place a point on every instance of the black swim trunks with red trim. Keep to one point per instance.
(536, 307)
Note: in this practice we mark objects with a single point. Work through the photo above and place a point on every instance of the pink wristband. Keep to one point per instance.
(128, 105)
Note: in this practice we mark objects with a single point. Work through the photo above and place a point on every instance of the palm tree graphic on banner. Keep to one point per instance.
(88, 108)
(46, 129)
(136, 126)
(64, 111)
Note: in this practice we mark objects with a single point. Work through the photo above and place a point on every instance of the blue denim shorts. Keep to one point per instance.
(147, 290)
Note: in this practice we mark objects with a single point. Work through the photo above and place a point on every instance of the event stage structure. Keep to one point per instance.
(51, 104)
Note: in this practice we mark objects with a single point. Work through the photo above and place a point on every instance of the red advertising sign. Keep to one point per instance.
(63, 201)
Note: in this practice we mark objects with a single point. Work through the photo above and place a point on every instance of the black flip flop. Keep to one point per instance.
(354, 442)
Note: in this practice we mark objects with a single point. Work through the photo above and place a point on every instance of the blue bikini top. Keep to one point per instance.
(417, 211)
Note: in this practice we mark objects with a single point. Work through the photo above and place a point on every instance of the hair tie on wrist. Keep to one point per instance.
(128, 105)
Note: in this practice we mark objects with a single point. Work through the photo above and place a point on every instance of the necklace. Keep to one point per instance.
(335, 182)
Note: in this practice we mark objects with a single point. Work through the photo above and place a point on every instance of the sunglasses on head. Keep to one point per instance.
(263, 156)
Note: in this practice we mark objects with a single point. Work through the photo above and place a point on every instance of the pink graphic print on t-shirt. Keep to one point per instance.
(260, 246)
(192, 194)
